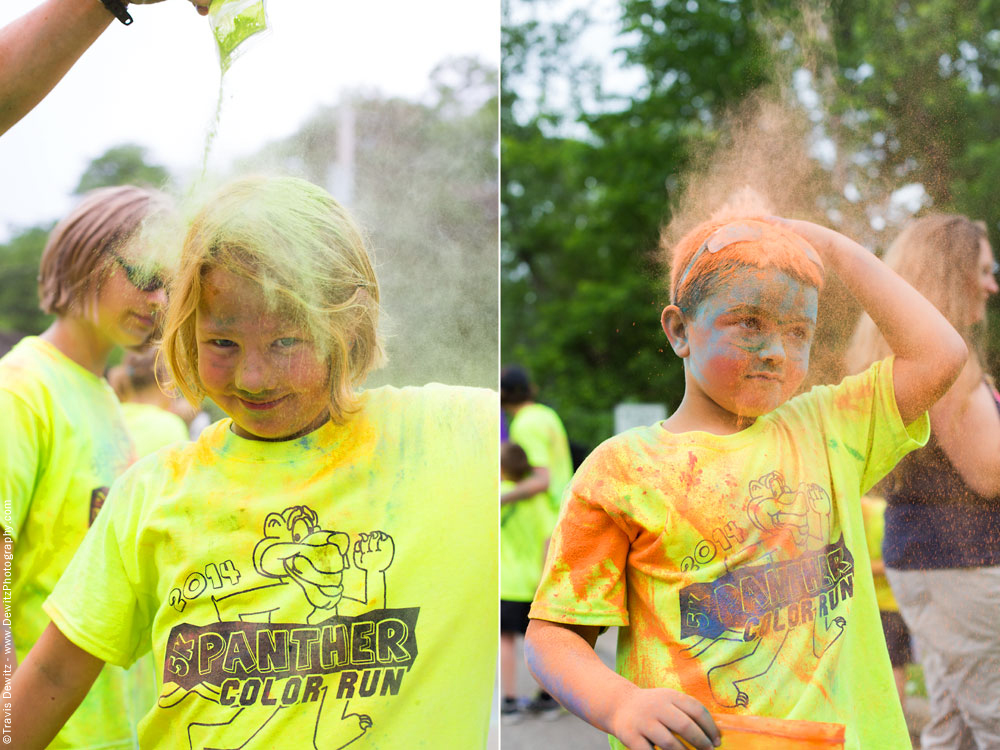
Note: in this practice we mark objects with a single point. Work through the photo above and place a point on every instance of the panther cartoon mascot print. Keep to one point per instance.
(309, 635)
(741, 621)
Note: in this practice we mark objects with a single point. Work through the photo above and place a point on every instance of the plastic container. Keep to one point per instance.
(233, 22)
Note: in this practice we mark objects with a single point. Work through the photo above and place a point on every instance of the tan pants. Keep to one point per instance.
(954, 616)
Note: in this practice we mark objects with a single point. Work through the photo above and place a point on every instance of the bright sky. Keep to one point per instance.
(156, 83)
(597, 45)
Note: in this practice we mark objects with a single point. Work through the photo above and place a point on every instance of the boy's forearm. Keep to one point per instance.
(47, 688)
(911, 326)
(564, 662)
(929, 351)
(38, 49)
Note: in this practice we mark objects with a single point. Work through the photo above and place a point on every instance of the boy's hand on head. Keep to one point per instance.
(655, 717)
(929, 352)
(822, 239)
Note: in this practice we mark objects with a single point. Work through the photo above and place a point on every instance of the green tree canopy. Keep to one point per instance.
(122, 165)
(19, 260)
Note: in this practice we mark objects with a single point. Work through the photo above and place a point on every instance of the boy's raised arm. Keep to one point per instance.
(562, 659)
(929, 352)
(47, 687)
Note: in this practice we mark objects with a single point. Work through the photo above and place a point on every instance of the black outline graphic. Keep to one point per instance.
(757, 605)
(261, 656)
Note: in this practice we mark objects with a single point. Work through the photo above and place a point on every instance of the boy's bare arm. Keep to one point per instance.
(929, 352)
(37, 49)
(562, 659)
(47, 687)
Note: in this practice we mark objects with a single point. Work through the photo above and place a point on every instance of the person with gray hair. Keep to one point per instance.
(64, 440)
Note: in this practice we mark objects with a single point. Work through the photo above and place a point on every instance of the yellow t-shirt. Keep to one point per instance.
(524, 528)
(540, 432)
(151, 427)
(873, 512)
(62, 445)
(737, 566)
(333, 589)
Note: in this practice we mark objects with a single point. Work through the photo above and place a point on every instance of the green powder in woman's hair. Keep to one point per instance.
(233, 22)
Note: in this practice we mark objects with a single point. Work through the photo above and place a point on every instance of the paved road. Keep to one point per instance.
(567, 732)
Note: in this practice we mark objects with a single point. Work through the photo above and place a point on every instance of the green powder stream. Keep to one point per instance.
(232, 22)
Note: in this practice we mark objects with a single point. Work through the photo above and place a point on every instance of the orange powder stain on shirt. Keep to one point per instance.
(357, 440)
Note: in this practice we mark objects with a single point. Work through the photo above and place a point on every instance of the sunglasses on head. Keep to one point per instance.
(139, 278)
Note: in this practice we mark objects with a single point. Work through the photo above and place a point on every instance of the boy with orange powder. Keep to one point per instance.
(727, 542)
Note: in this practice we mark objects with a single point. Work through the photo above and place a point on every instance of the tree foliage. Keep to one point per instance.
(122, 165)
(581, 292)
(19, 260)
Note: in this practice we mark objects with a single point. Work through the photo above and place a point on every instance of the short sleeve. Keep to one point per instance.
(888, 438)
(860, 424)
(22, 447)
(584, 578)
(95, 604)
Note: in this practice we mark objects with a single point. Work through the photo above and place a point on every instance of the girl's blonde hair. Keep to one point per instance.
(309, 259)
(937, 256)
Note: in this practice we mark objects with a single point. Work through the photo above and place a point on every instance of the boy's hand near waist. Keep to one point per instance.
(561, 657)
(650, 717)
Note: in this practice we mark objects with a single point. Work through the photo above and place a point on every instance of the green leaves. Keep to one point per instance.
(122, 165)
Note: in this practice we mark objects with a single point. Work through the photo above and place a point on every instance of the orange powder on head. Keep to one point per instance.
(712, 251)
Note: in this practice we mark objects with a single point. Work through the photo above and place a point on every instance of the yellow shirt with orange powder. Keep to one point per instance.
(63, 444)
(737, 565)
(322, 592)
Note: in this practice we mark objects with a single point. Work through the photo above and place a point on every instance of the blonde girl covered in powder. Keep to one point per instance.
(309, 572)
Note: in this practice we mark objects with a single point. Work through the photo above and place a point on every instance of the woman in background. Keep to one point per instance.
(942, 523)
